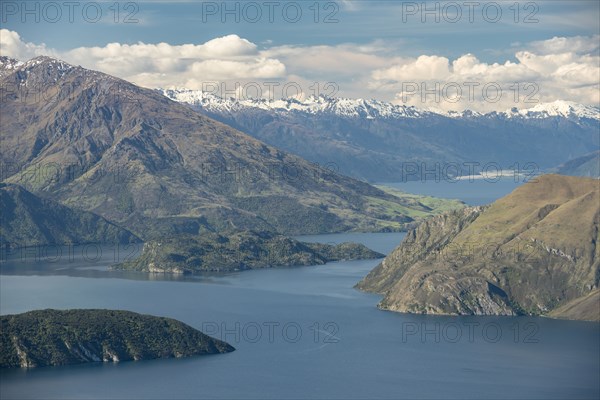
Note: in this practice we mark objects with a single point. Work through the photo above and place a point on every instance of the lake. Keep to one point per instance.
(299, 333)
(474, 192)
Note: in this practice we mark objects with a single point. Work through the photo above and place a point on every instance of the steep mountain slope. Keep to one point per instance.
(529, 252)
(586, 308)
(379, 141)
(155, 166)
(586, 165)
(28, 220)
(60, 337)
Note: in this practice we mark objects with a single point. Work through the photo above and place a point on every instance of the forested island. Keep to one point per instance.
(60, 337)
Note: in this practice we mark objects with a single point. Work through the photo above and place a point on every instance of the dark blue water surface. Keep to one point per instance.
(300, 333)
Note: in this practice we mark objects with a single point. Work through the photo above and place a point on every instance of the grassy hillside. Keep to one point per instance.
(28, 220)
(158, 168)
(585, 308)
(529, 252)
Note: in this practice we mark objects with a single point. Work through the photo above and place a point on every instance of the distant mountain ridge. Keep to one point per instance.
(587, 165)
(371, 108)
(312, 105)
(382, 142)
(157, 168)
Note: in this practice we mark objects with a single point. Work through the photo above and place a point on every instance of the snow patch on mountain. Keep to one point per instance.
(370, 109)
(361, 108)
(54, 68)
(558, 108)
(9, 65)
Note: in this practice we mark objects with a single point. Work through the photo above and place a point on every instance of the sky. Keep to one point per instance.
(442, 55)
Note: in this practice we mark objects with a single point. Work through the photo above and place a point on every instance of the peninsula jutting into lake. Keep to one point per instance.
(300, 200)
(532, 252)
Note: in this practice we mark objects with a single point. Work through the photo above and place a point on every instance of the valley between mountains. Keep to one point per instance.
(384, 142)
(220, 186)
(155, 167)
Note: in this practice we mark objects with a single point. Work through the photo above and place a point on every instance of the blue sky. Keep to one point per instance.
(180, 22)
(391, 30)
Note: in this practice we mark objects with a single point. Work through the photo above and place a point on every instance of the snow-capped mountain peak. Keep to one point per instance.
(369, 109)
(558, 108)
(8, 65)
(42, 70)
(54, 68)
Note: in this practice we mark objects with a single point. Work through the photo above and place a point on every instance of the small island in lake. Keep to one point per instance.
(60, 337)
(240, 250)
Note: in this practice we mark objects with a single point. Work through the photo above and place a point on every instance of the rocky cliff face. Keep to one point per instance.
(56, 337)
(528, 253)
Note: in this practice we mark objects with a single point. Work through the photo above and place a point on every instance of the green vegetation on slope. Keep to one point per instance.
(417, 206)
(28, 220)
(53, 337)
(158, 168)
(530, 252)
(238, 251)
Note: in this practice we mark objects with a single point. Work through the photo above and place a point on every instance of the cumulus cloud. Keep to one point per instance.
(557, 45)
(340, 60)
(222, 58)
(162, 64)
(11, 45)
(543, 71)
(423, 67)
(564, 68)
(230, 46)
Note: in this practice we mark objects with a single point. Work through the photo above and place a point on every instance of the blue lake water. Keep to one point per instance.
(474, 192)
(300, 333)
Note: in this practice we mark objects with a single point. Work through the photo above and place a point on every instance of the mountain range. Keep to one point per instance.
(155, 167)
(383, 142)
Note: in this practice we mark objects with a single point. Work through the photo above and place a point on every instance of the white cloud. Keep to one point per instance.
(421, 68)
(162, 64)
(226, 57)
(230, 46)
(344, 59)
(573, 44)
(564, 68)
(558, 68)
(11, 45)
(225, 70)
